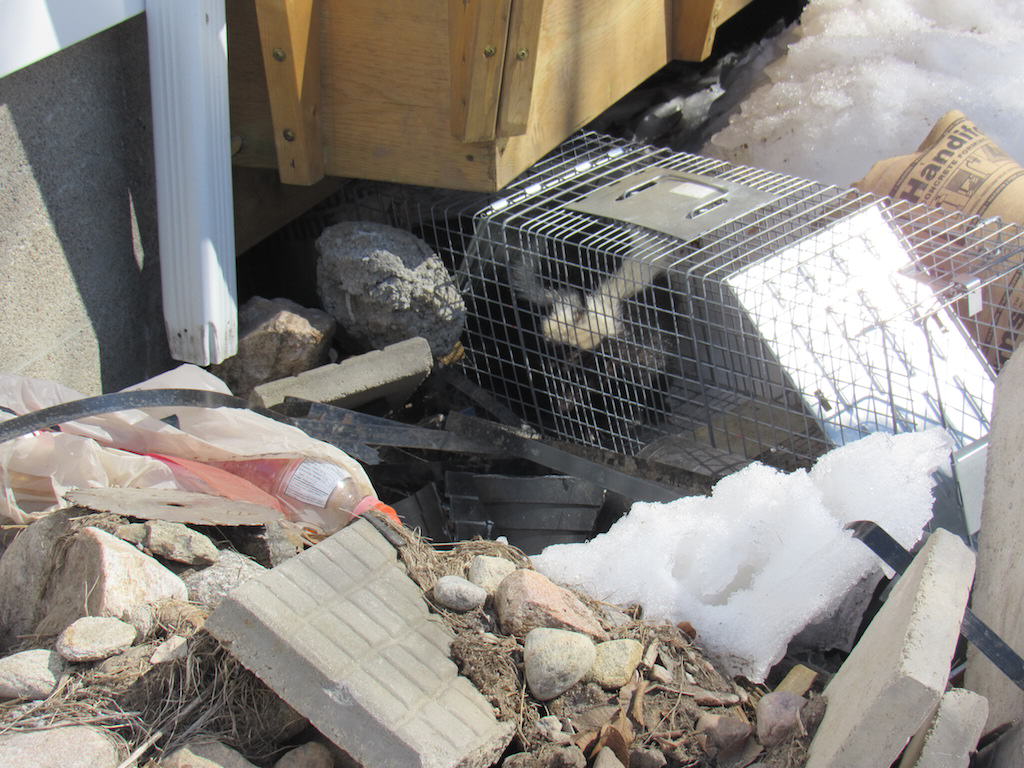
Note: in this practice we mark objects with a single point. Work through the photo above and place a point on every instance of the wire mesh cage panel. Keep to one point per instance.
(702, 314)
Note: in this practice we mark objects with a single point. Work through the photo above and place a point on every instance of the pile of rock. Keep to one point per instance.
(604, 689)
(96, 612)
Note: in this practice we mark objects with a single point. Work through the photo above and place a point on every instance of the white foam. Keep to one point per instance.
(766, 553)
(866, 79)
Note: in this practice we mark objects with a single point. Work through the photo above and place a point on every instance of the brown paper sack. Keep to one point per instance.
(958, 167)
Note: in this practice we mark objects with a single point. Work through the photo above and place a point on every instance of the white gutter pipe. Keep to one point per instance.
(192, 146)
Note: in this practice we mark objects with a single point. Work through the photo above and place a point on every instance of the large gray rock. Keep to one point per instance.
(24, 569)
(92, 638)
(75, 746)
(122, 581)
(555, 660)
(213, 755)
(30, 674)
(384, 285)
(276, 338)
(211, 585)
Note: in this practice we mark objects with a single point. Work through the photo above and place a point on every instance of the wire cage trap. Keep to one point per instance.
(701, 314)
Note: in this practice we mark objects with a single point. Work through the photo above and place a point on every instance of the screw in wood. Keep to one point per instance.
(289, 134)
(279, 54)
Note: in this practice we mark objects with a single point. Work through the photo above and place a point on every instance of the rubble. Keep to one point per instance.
(173, 648)
(277, 338)
(384, 285)
(209, 586)
(554, 660)
(94, 638)
(778, 717)
(124, 583)
(170, 541)
(213, 755)
(895, 676)
(458, 594)
(615, 662)
(488, 572)
(947, 739)
(391, 373)
(526, 599)
(30, 674)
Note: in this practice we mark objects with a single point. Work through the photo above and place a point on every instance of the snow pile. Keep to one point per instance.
(866, 79)
(766, 553)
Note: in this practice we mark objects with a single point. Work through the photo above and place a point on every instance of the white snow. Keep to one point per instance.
(867, 79)
(766, 553)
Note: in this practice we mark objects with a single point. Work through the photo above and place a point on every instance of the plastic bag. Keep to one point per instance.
(108, 450)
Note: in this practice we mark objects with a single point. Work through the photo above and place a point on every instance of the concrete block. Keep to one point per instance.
(895, 676)
(343, 635)
(999, 587)
(948, 739)
(392, 373)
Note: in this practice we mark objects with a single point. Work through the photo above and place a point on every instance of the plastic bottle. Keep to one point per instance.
(314, 493)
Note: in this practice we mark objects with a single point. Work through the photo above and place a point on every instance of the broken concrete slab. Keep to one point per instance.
(897, 673)
(212, 584)
(949, 738)
(122, 582)
(999, 587)
(391, 373)
(342, 634)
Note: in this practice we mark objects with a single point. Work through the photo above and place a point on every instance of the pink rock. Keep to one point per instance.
(100, 575)
(526, 600)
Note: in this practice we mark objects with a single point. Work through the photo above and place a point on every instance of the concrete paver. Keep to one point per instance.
(343, 635)
(895, 676)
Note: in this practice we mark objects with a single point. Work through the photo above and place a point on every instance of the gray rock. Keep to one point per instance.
(123, 583)
(178, 542)
(551, 756)
(520, 760)
(555, 660)
(661, 675)
(457, 594)
(384, 285)
(92, 638)
(276, 338)
(313, 754)
(606, 759)
(727, 733)
(640, 757)
(778, 717)
(615, 661)
(550, 727)
(211, 585)
(173, 648)
(74, 746)
(488, 572)
(133, 533)
(30, 674)
(24, 569)
(213, 755)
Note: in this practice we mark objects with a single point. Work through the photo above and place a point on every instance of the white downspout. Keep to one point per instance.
(192, 147)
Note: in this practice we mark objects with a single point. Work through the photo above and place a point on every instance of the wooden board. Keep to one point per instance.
(386, 86)
(520, 66)
(478, 31)
(696, 22)
(290, 42)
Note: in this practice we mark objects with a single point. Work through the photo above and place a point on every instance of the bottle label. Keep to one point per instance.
(313, 482)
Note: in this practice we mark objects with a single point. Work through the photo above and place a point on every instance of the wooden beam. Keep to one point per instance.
(695, 23)
(479, 37)
(290, 40)
(520, 66)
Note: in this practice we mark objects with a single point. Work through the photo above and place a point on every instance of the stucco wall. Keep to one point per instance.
(79, 276)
